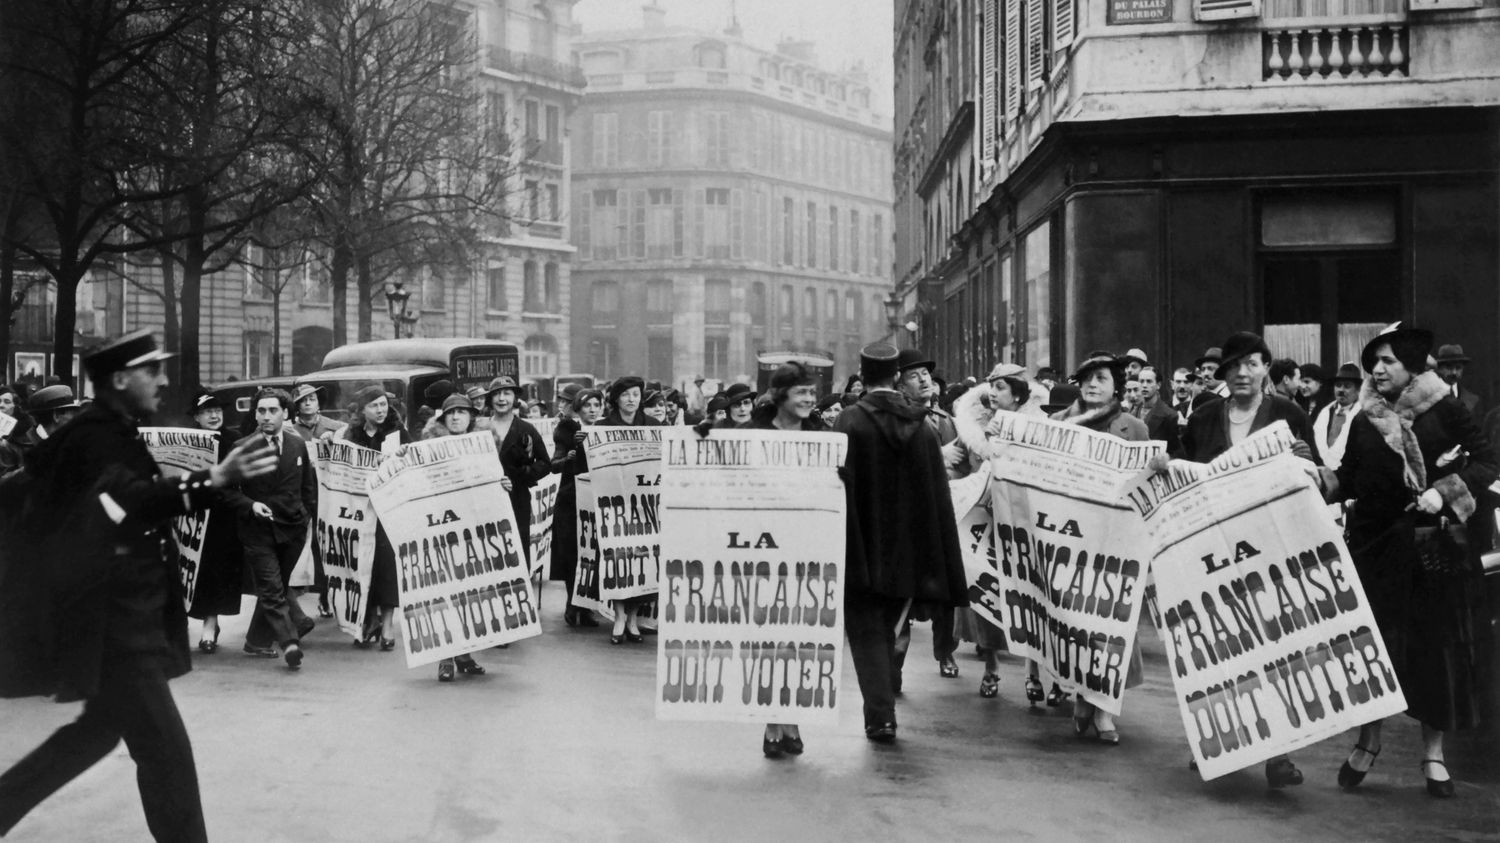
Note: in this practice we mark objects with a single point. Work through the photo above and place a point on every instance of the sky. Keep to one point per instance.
(845, 31)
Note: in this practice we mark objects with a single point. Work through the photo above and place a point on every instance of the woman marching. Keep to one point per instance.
(581, 407)
(217, 591)
(377, 427)
(794, 395)
(625, 411)
(1415, 462)
(523, 454)
(1101, 385)
(455, 419)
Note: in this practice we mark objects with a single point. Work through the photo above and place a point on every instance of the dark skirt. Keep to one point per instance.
(222, 572)
(565, 532)
(384, 590)
(1431, 625)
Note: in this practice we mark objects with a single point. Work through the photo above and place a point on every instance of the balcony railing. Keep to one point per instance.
(1311, 54)
(513, 61)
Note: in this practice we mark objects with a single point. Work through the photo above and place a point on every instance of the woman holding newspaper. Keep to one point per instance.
(1415, 462)
(455, 419)
(378, 427)
(624, 410)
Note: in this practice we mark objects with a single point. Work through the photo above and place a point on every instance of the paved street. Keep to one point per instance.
(558, 742)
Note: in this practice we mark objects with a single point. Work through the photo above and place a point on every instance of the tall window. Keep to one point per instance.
(788, 241)
(812, 235)
(539, 356)
(533, 124)
(1038, 286)
(604, 232)
(854, 241)
(659, 358)
(785, 309)
(605, 303)
(554, 203)
(606, 152)
(831, 309)
(659, 137)
(659, 302)
(533, 200)
(716, 301)
(531, 288)
(554, 123)
(877, 245)
(257, 286)
(434, 292)
(716, 357)
(809, 310)
(664, 223)
(757, 304)
(833, 238)
(257, 354)
(551, 288)
(716, 223)
(716, 138)
(494, 282)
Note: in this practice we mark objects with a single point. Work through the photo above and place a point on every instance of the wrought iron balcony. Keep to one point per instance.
(513, 61)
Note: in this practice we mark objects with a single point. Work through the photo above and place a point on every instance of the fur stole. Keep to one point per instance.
(971, 418)
(1394, 421)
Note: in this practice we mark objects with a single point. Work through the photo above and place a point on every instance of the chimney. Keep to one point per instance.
(799, 50)
(654, 16)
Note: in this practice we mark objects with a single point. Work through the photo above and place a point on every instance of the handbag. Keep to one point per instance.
(1443, 550)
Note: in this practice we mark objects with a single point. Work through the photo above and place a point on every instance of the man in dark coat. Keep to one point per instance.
(51, 407)
(902, 540)
(274, 514)
(1159, 416)
(105, 621)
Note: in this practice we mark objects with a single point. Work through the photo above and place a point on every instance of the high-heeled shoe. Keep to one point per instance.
(1056, 696)
(209, 646)
(387, 645)
(791, 745)
(989, 686)
(469, 667)
(617, 639)
(1034, 693)
(570, 617)
(1281, 772)
(445, 671)
(1439, 789)
(634, 637)
(1350, 777)
(770, 748)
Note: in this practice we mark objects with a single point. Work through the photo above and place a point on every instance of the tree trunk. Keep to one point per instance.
(65, 320)
(171, 328)
(338, 279)
(7, 295)
(366, 309)
(194, 256)
(276, 327)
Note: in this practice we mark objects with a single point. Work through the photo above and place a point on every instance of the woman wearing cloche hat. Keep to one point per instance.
(376, 426)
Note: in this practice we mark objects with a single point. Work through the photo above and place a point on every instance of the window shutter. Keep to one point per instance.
(1064, 22)
(700, 200)
(737, 224)
(1012, 105)
(638, 225)
(1035, 42)
(585, 240)
(988, 95)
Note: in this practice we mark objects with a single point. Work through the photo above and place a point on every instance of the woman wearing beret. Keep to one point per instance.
(793, 396)
(221, 571)
(1101, 386)
(523, 454)
(374, 425)
(624, 410)
(569, 460)
(1414, 464)
(455, 419)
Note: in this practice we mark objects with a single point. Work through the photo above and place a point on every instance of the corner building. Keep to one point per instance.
(727, 200)
(1160, 174)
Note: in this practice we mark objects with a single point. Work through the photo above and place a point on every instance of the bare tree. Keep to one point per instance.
(414, 168)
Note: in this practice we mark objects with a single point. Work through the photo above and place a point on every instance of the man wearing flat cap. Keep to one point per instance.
(93, 607)
(50, 407)
(901, 545)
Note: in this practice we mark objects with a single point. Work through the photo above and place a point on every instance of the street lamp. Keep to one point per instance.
(396, 301)
(892, 311)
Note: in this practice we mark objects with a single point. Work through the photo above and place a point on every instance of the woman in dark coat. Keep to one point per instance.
(374, 424)
(1415, 462)
(523, 454)
(794, 395)
(222, 571)
(569, 460)
(624, 410)
(1101, 385)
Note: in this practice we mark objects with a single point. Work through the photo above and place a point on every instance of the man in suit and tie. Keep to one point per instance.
(1331, 428)
(1450, 367)
(274, 514)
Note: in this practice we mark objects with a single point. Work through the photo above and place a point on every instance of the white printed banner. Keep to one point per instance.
(625, 472)
(586, 580)
(1270, 641)
(460, 563)
(543, 511)
(751, 595)
(344, 536)
(180, 451)
(1071, 559)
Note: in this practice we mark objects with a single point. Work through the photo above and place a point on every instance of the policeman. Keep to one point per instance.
(112, 623)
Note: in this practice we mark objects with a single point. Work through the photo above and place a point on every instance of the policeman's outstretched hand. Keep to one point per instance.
(248, 461)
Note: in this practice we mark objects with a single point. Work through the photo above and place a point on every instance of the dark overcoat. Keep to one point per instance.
(222, 572)
(565, 521)
(523, 455)
(91, 578)
(902, 541)
(1207, 433)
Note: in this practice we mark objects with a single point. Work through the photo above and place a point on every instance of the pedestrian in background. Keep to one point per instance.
(50, 408)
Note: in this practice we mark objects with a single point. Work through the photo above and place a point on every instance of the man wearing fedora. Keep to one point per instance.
(310, 423)
(1331, 427)
(1450, 367)
(50, 407)
(1135, 360)
(275, 513)
(901, 545)
(1207, 367)
(103, 619)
